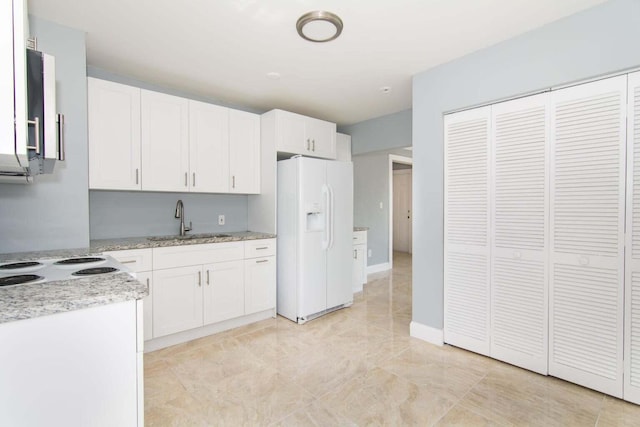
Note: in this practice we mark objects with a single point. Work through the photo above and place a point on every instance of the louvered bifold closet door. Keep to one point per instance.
(588, 138)
(466, 230)
(632, 265)
(519, 276)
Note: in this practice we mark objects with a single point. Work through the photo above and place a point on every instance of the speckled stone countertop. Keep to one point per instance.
(41, 299)
(105, 245)
(360, 228)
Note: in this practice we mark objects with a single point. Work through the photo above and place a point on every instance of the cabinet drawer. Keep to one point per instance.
(181, 256)
(136, 260)
(259, 248)
(359, 237)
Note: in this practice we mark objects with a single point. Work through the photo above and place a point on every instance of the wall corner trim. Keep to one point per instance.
(426, 333)
(377, 268)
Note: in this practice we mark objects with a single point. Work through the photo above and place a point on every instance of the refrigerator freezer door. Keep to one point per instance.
(312, 258)
(339, 255)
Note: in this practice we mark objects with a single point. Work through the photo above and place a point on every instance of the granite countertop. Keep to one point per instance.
(360, 228)
(104, 245)
(41, 299)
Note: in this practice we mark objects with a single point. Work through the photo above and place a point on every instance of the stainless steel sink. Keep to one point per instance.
(188, 237)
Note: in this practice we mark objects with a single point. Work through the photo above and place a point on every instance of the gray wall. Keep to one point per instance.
(129, 214)
(381, 133)
(53, 212)
(594, 42)
(370, 187)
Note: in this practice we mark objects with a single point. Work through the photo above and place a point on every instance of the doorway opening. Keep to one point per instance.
(400, 205)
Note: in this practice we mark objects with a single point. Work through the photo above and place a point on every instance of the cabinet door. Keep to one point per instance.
(632, 265)
(223, 291)
(466, 230)
(244, 152)
(519, 273)
(260, 284)
(208, 147)
(322, 138)
(359, 267)
(588, 136)
(114, 136)
(165, 142)
(147, 304)
(291, 133)
(177, 300)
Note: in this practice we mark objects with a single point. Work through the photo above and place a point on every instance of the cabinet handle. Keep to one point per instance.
(313, 145)
(262, 248)
(131, 261)
(199, 278)
(308, 145)
(261, 261)
(233, 181)
(147, 282)
(194, 179)
(207, 277)
(355, 254)
(186, 179)
(60, 136)
(137, 176)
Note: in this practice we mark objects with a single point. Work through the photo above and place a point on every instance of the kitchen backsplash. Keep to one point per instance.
(132, 214)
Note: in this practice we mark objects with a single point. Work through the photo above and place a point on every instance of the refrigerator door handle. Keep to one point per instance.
(331, 216)
(327, 220)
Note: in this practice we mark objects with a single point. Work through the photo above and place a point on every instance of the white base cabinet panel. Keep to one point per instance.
(223, 291)
(260, 284)
(177, 300)
(359, 260)
(78, 368)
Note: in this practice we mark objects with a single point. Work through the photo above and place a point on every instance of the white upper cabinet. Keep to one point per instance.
(244, 152)
(165, 142)
(304, 135)
(114, 136)
(208, 148)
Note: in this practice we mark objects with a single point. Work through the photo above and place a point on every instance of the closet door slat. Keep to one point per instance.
(466, 231)
(519, 291)
(587, 211)
(632, 270)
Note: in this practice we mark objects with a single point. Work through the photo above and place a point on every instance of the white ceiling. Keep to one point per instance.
(224, 49)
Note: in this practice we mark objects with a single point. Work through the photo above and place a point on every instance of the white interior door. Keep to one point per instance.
(466, 230)
(588, 136)
(402, 215)
(632, 271)
(519, 276)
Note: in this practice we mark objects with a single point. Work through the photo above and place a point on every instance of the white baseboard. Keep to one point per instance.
(426, 333)
(378, 268)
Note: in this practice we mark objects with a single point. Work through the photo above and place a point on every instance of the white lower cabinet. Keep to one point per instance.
(359, 260)
(177, 300)
(223, 291)
(260, 284)
(193, 286)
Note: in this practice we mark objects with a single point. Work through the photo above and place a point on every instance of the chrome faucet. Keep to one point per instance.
(180, 214)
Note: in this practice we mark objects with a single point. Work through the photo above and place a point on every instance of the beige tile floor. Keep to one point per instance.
(358, 366)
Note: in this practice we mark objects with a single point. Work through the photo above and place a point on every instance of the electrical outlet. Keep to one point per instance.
(220, 219)
(381, 205)
(369, 253)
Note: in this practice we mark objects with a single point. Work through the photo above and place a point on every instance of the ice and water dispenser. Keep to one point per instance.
(315, 217)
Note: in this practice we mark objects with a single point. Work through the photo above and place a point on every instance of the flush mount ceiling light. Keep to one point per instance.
(319, 26)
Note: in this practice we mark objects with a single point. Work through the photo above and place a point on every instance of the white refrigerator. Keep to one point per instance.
(315, 237)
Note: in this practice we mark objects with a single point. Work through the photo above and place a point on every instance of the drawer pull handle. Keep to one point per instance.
(207, 277)
(263, 247)
(132, 261)
(262, 260)
(199, 278)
